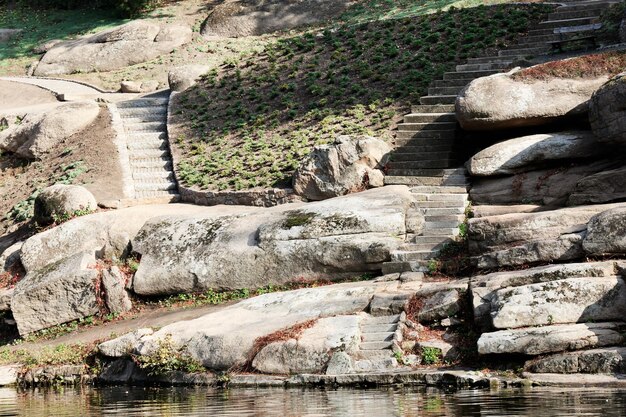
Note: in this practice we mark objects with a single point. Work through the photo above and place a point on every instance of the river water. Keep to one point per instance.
(262, 402)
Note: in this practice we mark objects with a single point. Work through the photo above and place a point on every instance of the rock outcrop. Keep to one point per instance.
(181, 78)
(607, 113)
(39, 132)
(133, 43)
(348, 165)
(603, 187)
(606, 233)
(61, 202)
(501, 101)
(611, 360)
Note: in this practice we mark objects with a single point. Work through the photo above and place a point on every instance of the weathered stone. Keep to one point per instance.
(8, 375)
(500, 101)
(225, 338)
(181, 78)
(10, 257)
(346, 235)
(311, 352)
(46, 46)
(386, 304)
(5, 298)
(348, 165)
(527, 152)
(129, 44)
(606, 233)
(149, 86)
(607, 113)
(551, 186)
(340, 363)
(603, 187)
(439, 306)
(569, 300)
(59, 293)
(497, 210)
(593, 361)
(115, 294)
(40, 132)
(123, 345)
(60, 202)
(130, 87)
(550, 339)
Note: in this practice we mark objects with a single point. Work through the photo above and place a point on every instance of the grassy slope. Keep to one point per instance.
(249, 123)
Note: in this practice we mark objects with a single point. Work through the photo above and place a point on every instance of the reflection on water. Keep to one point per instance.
(262, 402)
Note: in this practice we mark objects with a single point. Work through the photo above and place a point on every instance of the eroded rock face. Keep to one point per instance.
(129, 44)
(346, 235)
(602, 187)
(40, 132)
(348, 165)
(606, 233)
(501, 102)
(61, 202)
(607, 112)
(181, 78)
(550, 339)
(527, 152)
(593, 361)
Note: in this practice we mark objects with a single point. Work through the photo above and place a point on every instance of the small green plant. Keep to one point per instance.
(431, 355)
(168, 357)
(64, 217)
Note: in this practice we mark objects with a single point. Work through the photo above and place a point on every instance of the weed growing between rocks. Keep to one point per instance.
(168, 357)
(249, 123)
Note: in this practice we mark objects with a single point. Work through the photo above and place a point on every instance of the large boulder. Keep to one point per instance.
(550, 339)
(607, 113)
(550, 186)
(527, 152)
(181, 78)
(593, 361)
(606, 233)
(62, 292)
(61, 202)
(503, 101)
(39, 132)
(133, 43)
(348, 165)
(602, 187)
(250, 18)
(343, 236)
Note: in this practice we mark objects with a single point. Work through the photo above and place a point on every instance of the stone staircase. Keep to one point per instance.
(145, 126)
(425, 157)
(375, 350)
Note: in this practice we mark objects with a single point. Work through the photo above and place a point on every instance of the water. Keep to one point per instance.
(409, 402)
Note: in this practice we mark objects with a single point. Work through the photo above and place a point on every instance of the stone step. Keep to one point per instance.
(158, 197)
(427, 134)
(143, 111)
(379, 328)
(567, 13)
(148, 153)
(395, 267)
(153, 174)
(375, 345)
(403, 156)
(425, 164)
(428, 225)
(155, 127)
(438, 99)
(146, 136)
(162, 163)
(494, 59)
(439, 190)
(143, 102)
(416, 127)
(444, 91)
(374, 355)
(153, 144)
(486, 66)
(155, 186)
(410, 256)
(421, 180)
(418, 247)
(144, 119)
(419, 196)
(443, 231)
(460, 82)
(377, 337)
(540, 50)
(440, 204)
(437, 108)
(434, 147)
(433, 172)
(431, 240)
(580, 21)
(430, 117)
(468, 75)
(378, 320)
(572, 6)
(451, 218)
(452, 211)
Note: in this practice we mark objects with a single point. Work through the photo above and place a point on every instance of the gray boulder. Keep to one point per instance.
(312, 351)
(60, 202)
(592, 361)
(63, 292)
(133, 43)
(551, 339)
(340, 364)
(40, 132)
(606, 233)
(123, 345)
(181, 78)
(606, 111)
(524, 153)
(569, 300)
(602, 187)
(348, 165)
(10, 257)
(441, 305)
(501, 101)
(344, 236)
(115, 295)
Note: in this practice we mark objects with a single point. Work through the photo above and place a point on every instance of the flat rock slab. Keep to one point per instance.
(594, 361)
(577, 380)
(551, 339)
(569, 300)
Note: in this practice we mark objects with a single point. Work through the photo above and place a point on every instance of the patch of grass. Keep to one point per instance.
(586, 66)
(73, 354)
(249, 123)
(168, 357)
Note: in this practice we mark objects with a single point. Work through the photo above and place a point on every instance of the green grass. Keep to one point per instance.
(249, 123)
(40, 25)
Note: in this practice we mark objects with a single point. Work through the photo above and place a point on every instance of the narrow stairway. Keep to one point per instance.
(425, 158)
(145, 126)
(375, 350)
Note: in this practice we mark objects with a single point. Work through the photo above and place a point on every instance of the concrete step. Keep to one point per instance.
(437, 108)
(428, 225)
(377, 337)
(443, 231)
(452, 218)
(374, 355)
(421, 180)
(153, 144)
(146, 136)
(524, 51)
(148, 153)
(430, 117)
(126, 112)
(395, 267)
(438, 99)
(436, 172)
(468, 75)
(158, 197)
(487, 66)
(580, 21)
(402, 156)
(453, 211)
(575, 14)
(431, 240)
(416, 127)
(379, 328)
(375, 345)
(377, 320)
(162, 163)
(573, 6)
(443, 91)
(155, 127)
(461, 198)
(145, 118)
(143, 102)
(152, 174)
(155, 186)
(494, 59)
(439, 190)
(460, 82)
(409, 256)
(439, 204)
(427, 134)
(418, 247)
(427, 164)
(434, 147)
